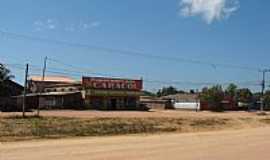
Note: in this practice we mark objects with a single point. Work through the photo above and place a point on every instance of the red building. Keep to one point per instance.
(228, 103)
(112, 93)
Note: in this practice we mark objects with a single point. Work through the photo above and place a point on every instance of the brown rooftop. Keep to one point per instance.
(63, 79)
(182, 97)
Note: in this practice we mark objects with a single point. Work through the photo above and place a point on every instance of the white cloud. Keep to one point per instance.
(48, 24)
(85, 26)
(38, 23)
(95, 24)
(53, 24)
(209, 10)
(70, 28)
(88, 25)
(50, 20)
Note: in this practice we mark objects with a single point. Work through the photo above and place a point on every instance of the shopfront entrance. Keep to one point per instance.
(112, 94)
(113, 105)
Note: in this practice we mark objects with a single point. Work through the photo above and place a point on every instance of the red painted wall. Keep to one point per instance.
(112, 84)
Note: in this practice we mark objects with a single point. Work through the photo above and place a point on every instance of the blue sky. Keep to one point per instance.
(221, 31)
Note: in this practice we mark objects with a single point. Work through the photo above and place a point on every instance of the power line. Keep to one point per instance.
(37, 70)
(79, 73)
(148, 80)
(250, 83)
(78, 69)
(158, 81)
(125, 52)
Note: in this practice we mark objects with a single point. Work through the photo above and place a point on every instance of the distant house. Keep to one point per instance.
(156, 103)
(184, 101)
(53, 100)
(37, 84)
(54, 92)
(14, 88)
(228, 103)
(8, 102)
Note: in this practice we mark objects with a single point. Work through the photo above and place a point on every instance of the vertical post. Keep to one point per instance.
(25, 90)
(42, 82)
(197, 100)
(263, 88)
(44, 68)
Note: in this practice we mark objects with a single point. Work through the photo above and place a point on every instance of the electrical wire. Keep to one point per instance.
(125, 52)
(77, 73)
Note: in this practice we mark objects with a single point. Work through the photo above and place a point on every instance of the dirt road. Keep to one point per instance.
(251, 144)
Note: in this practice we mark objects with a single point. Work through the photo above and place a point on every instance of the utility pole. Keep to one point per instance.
(197, 100)
(42, 82)
(263, 88)
(25, 90)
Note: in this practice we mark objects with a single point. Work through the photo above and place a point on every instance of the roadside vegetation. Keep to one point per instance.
(17, 128)
(5, 76)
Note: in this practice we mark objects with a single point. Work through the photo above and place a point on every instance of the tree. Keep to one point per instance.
(231, 90)
(148, 93)
(165, 91)
(244, 95)
(213, 96)
(192, 91)
(5, 76)
(181, 92)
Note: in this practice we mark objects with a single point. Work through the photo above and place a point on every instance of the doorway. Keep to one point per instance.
(113, 104)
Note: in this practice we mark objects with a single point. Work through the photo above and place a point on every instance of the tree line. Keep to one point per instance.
(214, 95)
(209, 93)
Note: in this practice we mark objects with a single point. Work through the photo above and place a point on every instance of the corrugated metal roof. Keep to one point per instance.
(53, 79)
(50, 94)
(182, 97)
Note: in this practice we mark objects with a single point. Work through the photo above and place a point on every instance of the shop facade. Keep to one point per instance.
(111, 93)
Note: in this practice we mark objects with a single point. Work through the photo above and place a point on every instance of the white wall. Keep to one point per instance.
(187, 105)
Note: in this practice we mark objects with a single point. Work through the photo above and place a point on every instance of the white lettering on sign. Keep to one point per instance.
(103, 83)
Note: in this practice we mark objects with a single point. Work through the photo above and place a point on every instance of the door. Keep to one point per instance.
(113, 104)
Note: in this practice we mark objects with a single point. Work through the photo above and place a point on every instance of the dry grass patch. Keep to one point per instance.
(265, 120)
(16, 128)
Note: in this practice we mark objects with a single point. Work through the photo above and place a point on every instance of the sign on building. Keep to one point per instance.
(112, 84)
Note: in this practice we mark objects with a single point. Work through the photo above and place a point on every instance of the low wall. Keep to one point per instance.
(187, 105)
(158, 104)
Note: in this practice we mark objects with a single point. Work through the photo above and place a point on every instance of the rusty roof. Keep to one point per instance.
(182, 97)
(63, 79)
